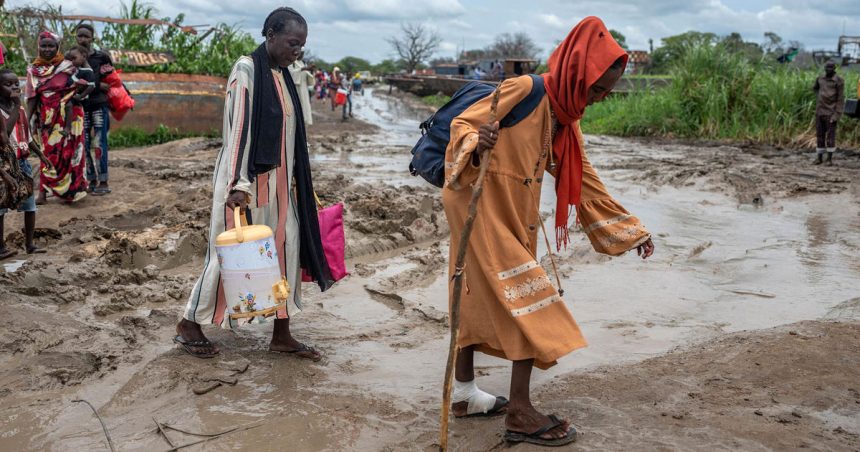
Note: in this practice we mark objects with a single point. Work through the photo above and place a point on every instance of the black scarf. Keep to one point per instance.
(267, 118)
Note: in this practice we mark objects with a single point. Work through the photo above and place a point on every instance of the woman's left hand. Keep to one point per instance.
(646, 249)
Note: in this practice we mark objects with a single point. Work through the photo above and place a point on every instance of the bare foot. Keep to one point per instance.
(41, 199)
(296, 348)
(528, 420)
(191, 332)
(33, 249)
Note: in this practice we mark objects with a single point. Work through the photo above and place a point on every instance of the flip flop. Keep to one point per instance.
(36, 250)
(6, 253)
(501, 407)
(303, 348)
(535, 437)
(187, 346)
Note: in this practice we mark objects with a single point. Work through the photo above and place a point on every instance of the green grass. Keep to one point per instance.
(647, 76)
(436, 100)
(134, 137)
(716, 94)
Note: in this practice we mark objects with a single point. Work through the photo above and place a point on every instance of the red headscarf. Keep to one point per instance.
(578, 62)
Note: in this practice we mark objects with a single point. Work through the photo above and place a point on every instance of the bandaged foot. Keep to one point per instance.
(479, 402)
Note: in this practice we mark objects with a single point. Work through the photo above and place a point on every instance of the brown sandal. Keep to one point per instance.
(6, 253)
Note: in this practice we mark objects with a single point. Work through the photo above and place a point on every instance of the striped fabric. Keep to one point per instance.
(272, 201)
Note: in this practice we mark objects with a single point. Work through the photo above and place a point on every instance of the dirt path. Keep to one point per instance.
(93, 318)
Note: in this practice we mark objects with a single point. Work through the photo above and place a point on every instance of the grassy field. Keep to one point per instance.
(132, 137)
(436, 100)
(716, 94)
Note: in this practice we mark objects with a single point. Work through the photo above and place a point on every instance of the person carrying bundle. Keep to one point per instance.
(510, 308)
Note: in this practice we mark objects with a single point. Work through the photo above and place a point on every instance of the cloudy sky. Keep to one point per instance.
(359, 27)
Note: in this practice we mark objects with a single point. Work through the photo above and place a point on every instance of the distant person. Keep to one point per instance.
(2, 54)
(320, 86)
(333, 85)
(303, 78)
(356, 84)
(511, 309)
(83, 81)
(263, 168)
(347, 106)
(16, 133)
(495, 70)
(97, 113)
(48, 91)
(830, 90)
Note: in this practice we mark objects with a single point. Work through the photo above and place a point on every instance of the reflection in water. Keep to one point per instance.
(813, 252)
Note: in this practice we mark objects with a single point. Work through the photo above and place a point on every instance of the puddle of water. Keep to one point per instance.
(398, 131)
(13, 266)
(398, 123)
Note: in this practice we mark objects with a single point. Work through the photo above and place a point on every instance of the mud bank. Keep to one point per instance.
(749, 240)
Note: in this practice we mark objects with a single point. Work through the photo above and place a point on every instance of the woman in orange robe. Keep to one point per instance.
(510, 308)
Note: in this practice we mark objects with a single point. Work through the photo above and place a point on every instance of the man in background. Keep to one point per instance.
(96, 113)
(303, 77)
(830, 90)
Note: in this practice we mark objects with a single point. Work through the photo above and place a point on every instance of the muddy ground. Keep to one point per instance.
(743, 332)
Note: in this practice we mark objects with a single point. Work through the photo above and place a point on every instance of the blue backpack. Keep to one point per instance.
(428, 155)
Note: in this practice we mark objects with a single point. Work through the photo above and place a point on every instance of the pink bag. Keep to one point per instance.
(333, 241)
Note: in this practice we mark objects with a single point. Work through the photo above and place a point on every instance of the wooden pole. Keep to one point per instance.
(477, 189)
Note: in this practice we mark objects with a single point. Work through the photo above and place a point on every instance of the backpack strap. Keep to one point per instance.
(526, 106)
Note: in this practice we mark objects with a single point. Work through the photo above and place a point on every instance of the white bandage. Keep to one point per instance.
(479, 401)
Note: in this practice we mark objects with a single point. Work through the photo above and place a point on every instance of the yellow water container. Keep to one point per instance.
(250, 273)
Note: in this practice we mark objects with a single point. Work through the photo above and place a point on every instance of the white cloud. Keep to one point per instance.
(447, 47)
(359, 27)
(396, 9)
(458, 23)
(551, 20)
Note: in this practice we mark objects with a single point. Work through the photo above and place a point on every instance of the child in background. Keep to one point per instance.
(15, 131)
(84, 80)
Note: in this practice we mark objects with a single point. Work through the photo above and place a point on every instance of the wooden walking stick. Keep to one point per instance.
(477, 189)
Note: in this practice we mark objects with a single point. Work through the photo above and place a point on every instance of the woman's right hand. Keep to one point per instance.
(488, 134)
(237, 199)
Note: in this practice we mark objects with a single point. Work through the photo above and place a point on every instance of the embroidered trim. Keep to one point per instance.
(527, 288)
(604, 223)
(536, 306)
(625, 235)
(510, 273)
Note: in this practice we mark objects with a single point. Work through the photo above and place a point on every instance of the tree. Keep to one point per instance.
(442, 60)
(387, 66)
(735, 43)
(619, 38)
(473, 55)
(415, 45)
(352, 64)
(772, 43)
(675, 46)
(517, 45)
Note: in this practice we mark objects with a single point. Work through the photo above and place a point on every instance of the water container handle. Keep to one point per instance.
(239, 220)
